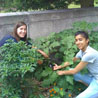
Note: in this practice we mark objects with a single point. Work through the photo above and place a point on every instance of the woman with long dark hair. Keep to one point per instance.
(19, 34)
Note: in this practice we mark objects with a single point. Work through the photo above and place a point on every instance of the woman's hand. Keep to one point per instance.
(60, 72)
(56, 67)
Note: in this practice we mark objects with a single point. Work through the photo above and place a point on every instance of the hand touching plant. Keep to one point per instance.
(56, 67)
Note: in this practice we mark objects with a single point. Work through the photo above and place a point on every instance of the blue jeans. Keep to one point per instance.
(92, 89)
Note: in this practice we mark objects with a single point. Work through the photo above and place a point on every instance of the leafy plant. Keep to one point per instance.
(18, 62)
(60, 47)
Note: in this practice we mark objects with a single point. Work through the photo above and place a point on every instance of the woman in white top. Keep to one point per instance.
(88, 58)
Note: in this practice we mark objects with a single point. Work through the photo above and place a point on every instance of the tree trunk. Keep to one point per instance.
(86, 3)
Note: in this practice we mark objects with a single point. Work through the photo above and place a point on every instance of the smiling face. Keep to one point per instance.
(81, 42)
(22, 31)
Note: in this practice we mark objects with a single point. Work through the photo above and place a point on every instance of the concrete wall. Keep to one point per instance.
(42, 23)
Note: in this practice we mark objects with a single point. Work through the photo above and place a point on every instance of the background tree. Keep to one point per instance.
(25, 5)
(85, 3)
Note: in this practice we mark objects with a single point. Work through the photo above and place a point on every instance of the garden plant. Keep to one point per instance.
(21, 76)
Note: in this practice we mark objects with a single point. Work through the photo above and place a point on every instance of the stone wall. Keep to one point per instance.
(42, 23)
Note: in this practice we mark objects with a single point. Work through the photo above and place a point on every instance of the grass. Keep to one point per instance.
(72, 5)
(96, 4)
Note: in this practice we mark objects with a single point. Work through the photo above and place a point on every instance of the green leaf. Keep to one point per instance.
(62, 93)
(69, 79)
(46, 72)
(56, 89)
(55, 44)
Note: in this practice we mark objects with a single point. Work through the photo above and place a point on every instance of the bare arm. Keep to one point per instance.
(41, 52)
(79, 67)
(56, 67)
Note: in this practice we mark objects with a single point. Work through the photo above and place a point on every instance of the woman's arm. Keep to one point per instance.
(56, 67)
(79, 67)
(41, 52)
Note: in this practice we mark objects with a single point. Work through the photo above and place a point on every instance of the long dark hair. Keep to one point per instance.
(14, 33)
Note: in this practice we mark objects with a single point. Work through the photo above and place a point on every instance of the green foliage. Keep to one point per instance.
(18, 62)
(60, 47)
(26, 5)
(16, 59)
(78, 87)
(83, 25)
(57, 92)
(18, 5)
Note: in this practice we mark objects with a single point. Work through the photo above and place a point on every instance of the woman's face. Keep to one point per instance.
(81, 42)
(22, 31)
